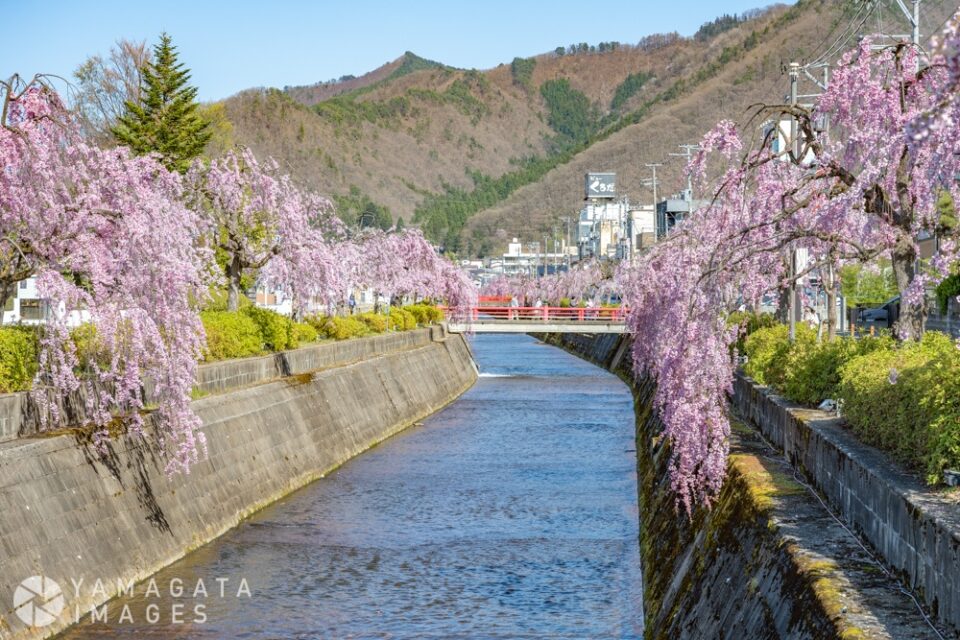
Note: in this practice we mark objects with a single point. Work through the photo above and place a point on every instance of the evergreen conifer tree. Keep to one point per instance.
(166, 120)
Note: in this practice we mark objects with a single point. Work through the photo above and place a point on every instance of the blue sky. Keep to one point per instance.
(230, 46)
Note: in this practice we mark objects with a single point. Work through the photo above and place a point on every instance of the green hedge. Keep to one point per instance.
(813, 371)
(767, 352)
(251, 331)
(304, 332)
(230, 334)
(338, 328)
(425, 313)
(376, 322)
(902, 398)
(401, 319)
(18, 358)
(275, 329)
(906, 401)
(238, 334)
(749, 322)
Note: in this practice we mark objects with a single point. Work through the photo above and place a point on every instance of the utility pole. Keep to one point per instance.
(546, 257)
(795, 152)
(915, 23)
(556, 262)
(688, 151)
(653, 167)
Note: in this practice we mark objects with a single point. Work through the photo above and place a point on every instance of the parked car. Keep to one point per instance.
(883, 316)
(877, 316)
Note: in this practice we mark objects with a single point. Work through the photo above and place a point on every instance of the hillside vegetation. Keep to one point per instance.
(476, 156)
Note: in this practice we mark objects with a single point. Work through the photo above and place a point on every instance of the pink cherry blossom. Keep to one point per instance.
(106, 235)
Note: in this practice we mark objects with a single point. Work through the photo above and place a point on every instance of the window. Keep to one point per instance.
(31, 309)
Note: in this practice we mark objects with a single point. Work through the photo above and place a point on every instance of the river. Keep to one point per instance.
(511, 513)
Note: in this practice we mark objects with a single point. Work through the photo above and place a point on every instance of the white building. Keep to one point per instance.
(603, 229)
(643, 227)
(27, 307)
(529, 259)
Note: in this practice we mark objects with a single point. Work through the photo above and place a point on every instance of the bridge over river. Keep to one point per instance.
(506, 319)
(512, 513)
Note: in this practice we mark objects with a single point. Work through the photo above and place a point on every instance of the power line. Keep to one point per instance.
(842, 37)
(841, 43)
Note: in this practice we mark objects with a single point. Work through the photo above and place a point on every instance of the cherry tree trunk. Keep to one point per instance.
(7, 290)
(234, 273)
(832, 312)
(912, 318)
(830, 284)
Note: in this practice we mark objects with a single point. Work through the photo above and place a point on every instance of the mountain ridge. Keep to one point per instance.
(473, 156)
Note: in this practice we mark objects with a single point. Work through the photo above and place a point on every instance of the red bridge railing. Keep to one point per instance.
(549, 314)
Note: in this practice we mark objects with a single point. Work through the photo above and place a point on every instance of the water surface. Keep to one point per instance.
(511, 513)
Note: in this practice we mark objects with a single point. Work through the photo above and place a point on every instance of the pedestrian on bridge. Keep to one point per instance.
(514, 305)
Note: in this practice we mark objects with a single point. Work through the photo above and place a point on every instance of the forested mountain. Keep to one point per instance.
(476, 156)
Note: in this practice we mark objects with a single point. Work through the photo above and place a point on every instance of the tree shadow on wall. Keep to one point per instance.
(140, 454)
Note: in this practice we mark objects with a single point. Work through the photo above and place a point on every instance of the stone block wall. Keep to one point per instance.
(18, 415)
(913, 527)
(68, 513)
(767, 561)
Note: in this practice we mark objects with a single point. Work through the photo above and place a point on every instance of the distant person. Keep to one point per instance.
(538, 303)
(352, 303)
(811, 318)
(514, 305)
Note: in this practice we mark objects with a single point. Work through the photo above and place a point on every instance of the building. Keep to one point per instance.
(643, 227)
(530, 259)
(27, 307)
(603, 229)
(673, 210)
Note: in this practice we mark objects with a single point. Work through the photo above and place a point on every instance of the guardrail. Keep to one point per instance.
(549, 314)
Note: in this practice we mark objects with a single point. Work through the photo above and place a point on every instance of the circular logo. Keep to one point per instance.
(38, 601)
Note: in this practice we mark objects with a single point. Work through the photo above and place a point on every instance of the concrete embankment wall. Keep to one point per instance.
(19, 417)
(914, 528)
(767, 561)
(69, 514)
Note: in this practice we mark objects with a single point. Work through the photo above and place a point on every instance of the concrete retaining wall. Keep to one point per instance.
(67, 513)
(915, 529)
(19, 417)
(767, 561)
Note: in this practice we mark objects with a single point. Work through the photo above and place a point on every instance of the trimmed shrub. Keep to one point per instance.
(18, 358)
(304, 332)
(318, 322)
(376, 322)
(230, 334)
(401, 319)
(749, 322)
(906, 400)
(345, 328)
(813, 369)
(338, 328)
(767, 351)
(419, 313)
(425, 313)
(275, 330)
(902, 398)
